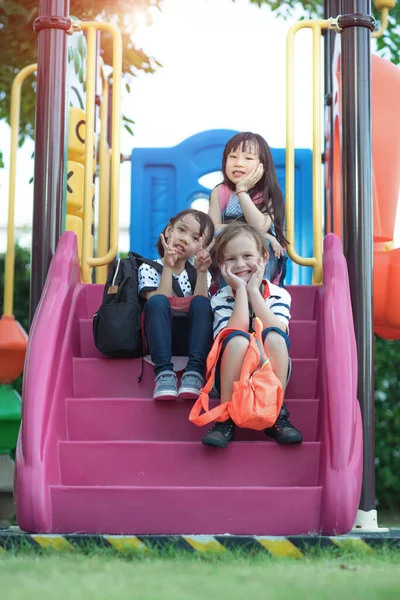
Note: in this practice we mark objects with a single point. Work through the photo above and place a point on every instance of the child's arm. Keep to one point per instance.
(261, 310)
(275, 245)
(165, 285)
(170, 258)
(201, 288)
(253, 216)
(215, 210)
(240, 315)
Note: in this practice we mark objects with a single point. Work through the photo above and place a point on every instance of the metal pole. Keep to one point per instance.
(357, 24)
(331, 9)
(49, 177)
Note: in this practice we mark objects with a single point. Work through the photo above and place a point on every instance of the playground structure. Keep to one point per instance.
(87, 444)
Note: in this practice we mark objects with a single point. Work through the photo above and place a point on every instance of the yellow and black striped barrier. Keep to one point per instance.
(14, 540)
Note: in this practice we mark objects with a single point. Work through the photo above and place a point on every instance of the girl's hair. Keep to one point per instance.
(205, 222)
(232, 231)
(266, 190)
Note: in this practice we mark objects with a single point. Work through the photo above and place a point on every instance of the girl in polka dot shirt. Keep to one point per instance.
(188, 235)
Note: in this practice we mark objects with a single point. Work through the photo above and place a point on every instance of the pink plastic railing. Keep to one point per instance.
(340, 418)
(47, 381)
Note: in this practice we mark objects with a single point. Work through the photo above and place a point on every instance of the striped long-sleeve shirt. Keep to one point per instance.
(223, 301)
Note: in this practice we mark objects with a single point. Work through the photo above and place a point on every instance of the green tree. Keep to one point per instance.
(388, 44)
(18, 46)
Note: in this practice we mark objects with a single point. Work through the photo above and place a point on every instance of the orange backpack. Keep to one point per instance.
(257, 397)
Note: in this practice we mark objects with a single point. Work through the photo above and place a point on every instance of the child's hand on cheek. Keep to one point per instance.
(231, 279)
(247, 182)
(257, 277)
(170, 254)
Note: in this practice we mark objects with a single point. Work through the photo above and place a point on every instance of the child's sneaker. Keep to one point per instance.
(220, 434)
(165, 387)
(191, 385)
(283, 431)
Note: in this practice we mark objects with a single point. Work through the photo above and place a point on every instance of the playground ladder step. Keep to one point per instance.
(303, 300)
(186, 510)
(129, 419)
(303, 335)
(105, 378)
(131, 465)
(141, 464)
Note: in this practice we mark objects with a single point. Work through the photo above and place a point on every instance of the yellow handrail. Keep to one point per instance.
(92, 27)
(316, 260)
(14, 123)
(384, 6)
(104, 163)
(384, 24)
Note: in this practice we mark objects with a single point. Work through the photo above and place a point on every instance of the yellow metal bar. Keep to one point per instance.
(14, 123)
(316, 260)
(384, 24)
(87, 260)
(89, 144)
(317, 154)
(104, 162)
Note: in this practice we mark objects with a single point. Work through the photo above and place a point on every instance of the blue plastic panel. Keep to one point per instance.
(166, 181)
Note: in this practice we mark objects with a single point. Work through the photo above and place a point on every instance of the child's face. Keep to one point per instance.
(186, 236)
(241, 161)
(241, 256)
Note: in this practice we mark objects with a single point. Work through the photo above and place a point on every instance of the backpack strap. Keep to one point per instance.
(147, 261)
(224, 193)
(221, 411)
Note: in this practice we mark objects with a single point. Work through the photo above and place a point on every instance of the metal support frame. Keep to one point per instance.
(49, 174)
(332, 8)
(357, 24)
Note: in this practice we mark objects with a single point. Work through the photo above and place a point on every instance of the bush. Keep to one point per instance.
(387, 423)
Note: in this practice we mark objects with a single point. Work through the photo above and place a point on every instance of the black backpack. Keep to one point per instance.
(117, 325)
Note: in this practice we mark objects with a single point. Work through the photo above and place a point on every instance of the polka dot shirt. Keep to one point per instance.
(149, 280)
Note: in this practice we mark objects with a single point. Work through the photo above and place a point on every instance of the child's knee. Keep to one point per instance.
(275, 343)
(157, 302)
(200, 305)
(237, 344)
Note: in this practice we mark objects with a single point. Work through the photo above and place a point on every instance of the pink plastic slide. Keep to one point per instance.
(97, 455)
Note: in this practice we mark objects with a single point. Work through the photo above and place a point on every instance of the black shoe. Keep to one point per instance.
(283, 432)
(220, 434)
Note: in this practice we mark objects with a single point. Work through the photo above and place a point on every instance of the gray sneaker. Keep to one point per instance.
(165, 386)
(191, 385)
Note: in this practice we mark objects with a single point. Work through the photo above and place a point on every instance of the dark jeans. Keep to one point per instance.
(169, 335)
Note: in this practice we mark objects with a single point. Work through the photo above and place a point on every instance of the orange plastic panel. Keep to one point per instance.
(386, 292)
(385, 145)
(13, 344)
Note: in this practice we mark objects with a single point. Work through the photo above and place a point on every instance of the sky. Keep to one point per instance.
(223, 67)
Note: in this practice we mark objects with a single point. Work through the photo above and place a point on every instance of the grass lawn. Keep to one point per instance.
(108, 577)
